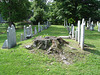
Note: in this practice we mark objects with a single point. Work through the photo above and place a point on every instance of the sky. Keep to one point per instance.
(50, 1)
(47, 1)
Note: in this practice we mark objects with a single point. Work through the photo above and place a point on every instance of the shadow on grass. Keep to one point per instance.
(92, 46)
(94, 35)
(96, 52)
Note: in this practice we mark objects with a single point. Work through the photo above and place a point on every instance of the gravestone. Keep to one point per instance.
(24, 32)
(31, 30)
(66, 24)
(39, 29)
(28, 32)
(22, 37)
(82, 34)
(73, 32)
(89, 21)
(35, 30)
(79, 34)
(92, 26)
(68, 28)
(97, 23)
(99, 27)
(88, 25)
(11, 38)
(70, 34)
(76, 34)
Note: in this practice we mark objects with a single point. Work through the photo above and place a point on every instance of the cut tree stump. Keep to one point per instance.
(50, 43)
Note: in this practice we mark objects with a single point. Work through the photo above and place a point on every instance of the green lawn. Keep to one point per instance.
(19, 61)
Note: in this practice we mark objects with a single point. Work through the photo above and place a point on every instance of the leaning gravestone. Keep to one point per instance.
(11, 38)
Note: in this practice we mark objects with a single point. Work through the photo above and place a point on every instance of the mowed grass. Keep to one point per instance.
(19, 61)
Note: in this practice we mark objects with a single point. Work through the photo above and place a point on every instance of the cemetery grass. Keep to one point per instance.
(19, 60)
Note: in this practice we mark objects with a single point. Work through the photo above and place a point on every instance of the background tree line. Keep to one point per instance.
(55, 12)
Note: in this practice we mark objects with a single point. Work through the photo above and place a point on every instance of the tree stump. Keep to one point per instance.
(50, 43)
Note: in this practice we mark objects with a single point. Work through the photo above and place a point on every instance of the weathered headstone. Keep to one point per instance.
(28, 32)
(11, 38)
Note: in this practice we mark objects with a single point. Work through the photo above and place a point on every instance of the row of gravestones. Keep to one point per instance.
(78, 35)
(90, 25)
(28, 33)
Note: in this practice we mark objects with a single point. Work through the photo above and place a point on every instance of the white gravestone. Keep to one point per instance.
(79, 34)
(24, 32)
(73, 32)
(82, 34)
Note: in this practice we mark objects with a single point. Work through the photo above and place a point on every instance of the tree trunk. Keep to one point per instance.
(11, 23)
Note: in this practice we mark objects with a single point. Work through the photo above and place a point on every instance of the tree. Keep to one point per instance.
(15, 10)
(39, 8)
(77, 9)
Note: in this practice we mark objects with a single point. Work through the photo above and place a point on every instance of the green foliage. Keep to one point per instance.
(15, 10)
(39, 11)
(75, 9)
